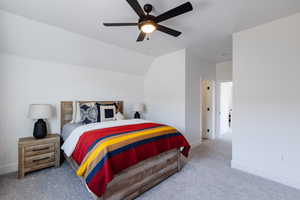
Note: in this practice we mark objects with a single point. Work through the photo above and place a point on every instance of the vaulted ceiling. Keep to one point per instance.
(207, 30)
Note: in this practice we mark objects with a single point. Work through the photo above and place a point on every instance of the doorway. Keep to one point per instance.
(225, 113)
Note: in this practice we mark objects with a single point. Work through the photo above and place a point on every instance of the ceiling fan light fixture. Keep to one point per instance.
(148, 27)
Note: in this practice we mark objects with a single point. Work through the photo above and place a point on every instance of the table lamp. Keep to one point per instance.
(40, 112)
(138, 108)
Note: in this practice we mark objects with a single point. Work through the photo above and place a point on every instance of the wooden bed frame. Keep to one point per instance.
(135, 180)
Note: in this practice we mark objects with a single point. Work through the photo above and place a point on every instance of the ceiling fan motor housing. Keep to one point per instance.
(146, 19)
(148, 8)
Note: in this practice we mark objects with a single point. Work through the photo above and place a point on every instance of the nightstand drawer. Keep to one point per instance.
(39, 159)
(37, 167)
(39, 149)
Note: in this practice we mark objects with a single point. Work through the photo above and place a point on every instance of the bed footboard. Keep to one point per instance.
(135, 180)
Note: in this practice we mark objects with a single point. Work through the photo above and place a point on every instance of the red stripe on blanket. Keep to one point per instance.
(88, 138)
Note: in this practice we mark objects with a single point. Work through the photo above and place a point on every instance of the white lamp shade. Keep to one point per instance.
(40, 111)
(139, 107)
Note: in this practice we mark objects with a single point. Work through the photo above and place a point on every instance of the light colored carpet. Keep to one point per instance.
(207, 176)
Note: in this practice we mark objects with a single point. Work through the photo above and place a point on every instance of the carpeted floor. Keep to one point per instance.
(207, 176)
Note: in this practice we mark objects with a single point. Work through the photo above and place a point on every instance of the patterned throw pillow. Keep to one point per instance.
(106, 112)
(89, 113)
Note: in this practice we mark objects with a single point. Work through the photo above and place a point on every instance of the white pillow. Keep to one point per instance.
(77, 114)
(119, 116)
(74, 112)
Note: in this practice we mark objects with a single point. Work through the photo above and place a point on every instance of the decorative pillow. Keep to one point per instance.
(76, 117)
(78, 113)
(74, 112)
(106, 112)
(88, 113)
(119, 116)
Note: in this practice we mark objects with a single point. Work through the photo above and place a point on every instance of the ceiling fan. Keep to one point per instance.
(148, 23)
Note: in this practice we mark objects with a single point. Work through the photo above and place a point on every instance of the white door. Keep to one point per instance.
(225, 107)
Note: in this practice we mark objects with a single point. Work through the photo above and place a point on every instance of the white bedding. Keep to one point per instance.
(69, 145)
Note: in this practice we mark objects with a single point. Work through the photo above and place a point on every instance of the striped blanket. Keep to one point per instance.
(105, 152)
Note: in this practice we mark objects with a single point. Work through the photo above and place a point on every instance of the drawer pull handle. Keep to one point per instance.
(40, 149)
(40, 159)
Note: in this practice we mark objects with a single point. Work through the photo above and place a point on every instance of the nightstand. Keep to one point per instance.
(35, 154)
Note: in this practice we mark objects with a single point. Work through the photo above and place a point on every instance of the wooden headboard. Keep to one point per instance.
(66, 109)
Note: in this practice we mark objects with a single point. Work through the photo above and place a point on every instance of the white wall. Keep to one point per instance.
(223, 74)
(266, 101)
(197, 69)
(173, 91)
(25, 37)
(164, 93)
(24, 81)
(224, 71)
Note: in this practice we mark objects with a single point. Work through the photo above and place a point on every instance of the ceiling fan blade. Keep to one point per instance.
(136, 7)
(168, 30)
(186, 7)
(141, 37)
(120, 24)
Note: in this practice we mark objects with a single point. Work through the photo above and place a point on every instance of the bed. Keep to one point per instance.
(137, 176)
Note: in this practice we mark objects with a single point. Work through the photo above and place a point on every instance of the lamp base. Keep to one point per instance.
(40, 129)
(137, 115)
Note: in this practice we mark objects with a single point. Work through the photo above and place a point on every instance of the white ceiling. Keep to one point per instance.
(207, 29)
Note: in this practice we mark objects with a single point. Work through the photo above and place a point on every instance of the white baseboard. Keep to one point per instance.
(12, 167)
(265, 174)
